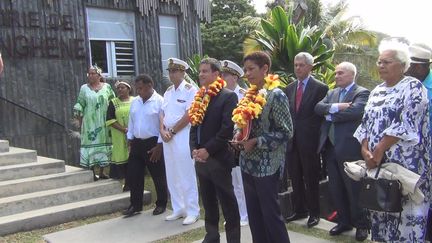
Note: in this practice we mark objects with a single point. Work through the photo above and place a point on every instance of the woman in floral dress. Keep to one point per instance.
(395, 128)
(90, 110)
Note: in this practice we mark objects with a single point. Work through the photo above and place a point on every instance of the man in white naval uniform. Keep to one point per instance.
(174, 129)
(231, 72)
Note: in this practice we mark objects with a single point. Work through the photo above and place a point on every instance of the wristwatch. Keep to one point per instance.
(172, 131)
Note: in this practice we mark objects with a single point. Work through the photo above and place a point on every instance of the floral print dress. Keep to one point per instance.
(95, 140)
(401, 111)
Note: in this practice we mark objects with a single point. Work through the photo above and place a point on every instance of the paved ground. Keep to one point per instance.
(140, 228)
(147, 228)
(294, 237)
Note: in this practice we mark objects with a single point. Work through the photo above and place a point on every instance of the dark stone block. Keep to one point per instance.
(326, 207)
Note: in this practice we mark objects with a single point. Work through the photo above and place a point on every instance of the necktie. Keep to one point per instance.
(331, 133)
(342, 95)
(299, 95)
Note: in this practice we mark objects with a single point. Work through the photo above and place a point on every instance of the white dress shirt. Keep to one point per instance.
(334, 108)
(239, 92)
(177, 102)
(144, 117)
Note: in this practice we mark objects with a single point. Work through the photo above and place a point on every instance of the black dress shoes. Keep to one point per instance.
(296, 216)
(158, 210)
(130, 211)
(312, 221)
(361, 234)
(339, 229)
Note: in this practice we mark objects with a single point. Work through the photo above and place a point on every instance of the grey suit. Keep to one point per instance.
(343, 148)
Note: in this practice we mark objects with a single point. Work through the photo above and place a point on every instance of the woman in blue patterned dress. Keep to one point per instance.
(395, 127)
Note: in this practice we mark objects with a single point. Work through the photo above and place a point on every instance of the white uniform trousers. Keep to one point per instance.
(237, 182)
(181, 176)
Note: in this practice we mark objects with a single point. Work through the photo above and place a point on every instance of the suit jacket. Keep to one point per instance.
(345, 122)
(217, 128)
(306, 122)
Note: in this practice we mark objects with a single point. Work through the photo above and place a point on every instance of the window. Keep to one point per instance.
(112, 41)
(168, 31)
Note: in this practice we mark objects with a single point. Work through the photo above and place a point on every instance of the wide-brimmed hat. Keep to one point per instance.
(177, 64)
(231, 67)
(419, 55)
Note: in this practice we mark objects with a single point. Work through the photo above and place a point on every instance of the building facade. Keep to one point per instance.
(48, 45)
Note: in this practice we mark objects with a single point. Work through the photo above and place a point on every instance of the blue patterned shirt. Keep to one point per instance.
(272, 128)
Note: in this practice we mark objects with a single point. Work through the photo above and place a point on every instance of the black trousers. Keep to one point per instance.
(216, 185)
(139, 159)
(344, 191)
(304, 171)
(265, 218)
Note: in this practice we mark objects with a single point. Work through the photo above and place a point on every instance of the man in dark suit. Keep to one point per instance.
(209, 146)
(302, 161)
(343, 109)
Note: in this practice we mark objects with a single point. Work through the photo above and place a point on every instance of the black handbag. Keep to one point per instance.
(380, 194)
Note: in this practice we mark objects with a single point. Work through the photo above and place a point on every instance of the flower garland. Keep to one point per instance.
(251, 105)
(201, 101)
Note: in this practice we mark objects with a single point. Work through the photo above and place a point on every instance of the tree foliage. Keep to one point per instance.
(283, 40)
(223, 37)
(346, 34)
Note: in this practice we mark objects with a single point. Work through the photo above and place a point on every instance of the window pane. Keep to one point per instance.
(168, 35)
(110, 24)
(99, 54)
(168, 38)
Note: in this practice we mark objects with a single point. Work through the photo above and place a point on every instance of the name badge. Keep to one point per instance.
(181, 101)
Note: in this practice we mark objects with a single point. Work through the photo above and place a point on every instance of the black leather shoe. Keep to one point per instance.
(361, 234)
(296, 216)
(103, 177)
(312, 221)
(158, 210)
(339, 229)
(130, 211)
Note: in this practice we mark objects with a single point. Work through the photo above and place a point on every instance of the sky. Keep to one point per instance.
(399, 18)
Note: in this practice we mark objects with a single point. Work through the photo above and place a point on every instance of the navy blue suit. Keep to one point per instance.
(214, 175)
(344, 147)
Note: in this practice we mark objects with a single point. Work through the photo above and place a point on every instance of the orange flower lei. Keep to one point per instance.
(202, 98)
(251, 105)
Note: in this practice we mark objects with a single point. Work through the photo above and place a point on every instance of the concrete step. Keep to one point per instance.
(43, 166)
(71, 176)
(64, 213)
(4, 146)
(49, 198)
(17, 156)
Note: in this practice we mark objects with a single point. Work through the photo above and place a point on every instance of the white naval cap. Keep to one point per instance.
(419, 54)
(175, 63)
(231, 67)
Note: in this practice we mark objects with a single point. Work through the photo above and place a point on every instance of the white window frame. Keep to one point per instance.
(111, 50)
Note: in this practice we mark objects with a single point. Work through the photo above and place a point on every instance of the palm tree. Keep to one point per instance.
(346, 34)
(283, 40)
